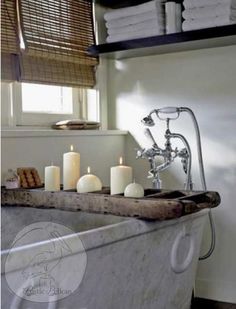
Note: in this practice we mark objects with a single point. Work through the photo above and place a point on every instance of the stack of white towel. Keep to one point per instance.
(140, 21)
(200, 14)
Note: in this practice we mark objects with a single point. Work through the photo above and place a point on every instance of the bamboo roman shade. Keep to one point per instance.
(55, 35)
(9, 40)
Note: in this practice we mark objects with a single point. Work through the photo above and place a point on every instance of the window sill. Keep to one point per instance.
(46, 132)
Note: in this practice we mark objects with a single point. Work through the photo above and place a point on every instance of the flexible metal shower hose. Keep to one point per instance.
(203, 182)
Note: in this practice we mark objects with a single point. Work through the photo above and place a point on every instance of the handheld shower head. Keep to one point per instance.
(165, 113)
(168, 110)
(148, 121)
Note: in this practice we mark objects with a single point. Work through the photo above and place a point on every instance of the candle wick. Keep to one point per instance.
(51, 163)
(134, 180)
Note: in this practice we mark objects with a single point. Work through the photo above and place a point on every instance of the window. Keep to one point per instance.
(46, 42)
(42, 105)
(36, 98)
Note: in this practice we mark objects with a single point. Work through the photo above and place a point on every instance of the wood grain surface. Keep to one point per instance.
(155, 205)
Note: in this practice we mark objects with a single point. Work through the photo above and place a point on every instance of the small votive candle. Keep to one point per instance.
(52, 178)
(89, 183)
(134, 190)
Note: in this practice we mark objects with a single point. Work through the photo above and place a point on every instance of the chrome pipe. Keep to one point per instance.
(189, 168)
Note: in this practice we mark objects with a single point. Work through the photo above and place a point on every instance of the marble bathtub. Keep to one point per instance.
(93, 261)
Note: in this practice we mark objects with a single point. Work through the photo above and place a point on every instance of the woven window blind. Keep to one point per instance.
(56, 35)
(9, 40)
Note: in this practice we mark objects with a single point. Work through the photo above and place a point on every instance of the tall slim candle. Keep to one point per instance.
(71, 169)
(121, 176)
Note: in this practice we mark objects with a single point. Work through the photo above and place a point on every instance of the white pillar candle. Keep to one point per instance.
(121, 176)
(89, 183)
(71, 169)
(52, 178)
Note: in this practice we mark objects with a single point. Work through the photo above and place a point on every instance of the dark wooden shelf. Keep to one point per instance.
(115, 4)
(189, 40)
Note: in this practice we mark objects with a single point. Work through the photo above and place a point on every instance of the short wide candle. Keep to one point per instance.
(71, 169)
(134, 190)
(121, 176)
(52, 178)
(89, 183)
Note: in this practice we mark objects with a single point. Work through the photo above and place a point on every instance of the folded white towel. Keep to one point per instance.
(133, 10)
(215, 19)
(205, 12)
(146, 25)
(132, 20)
(173, 17)
(133, 35)
(207, 23)
(204, 3)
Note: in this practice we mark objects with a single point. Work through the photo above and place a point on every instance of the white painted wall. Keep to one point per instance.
(205, 81)
(99, 151)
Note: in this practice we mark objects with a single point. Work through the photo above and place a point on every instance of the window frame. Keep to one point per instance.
(43, 119)
(10, 109)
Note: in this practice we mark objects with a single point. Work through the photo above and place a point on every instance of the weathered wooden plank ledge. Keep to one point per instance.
(155, 205)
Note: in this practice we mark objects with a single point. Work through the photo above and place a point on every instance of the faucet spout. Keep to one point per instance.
(155, 172)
